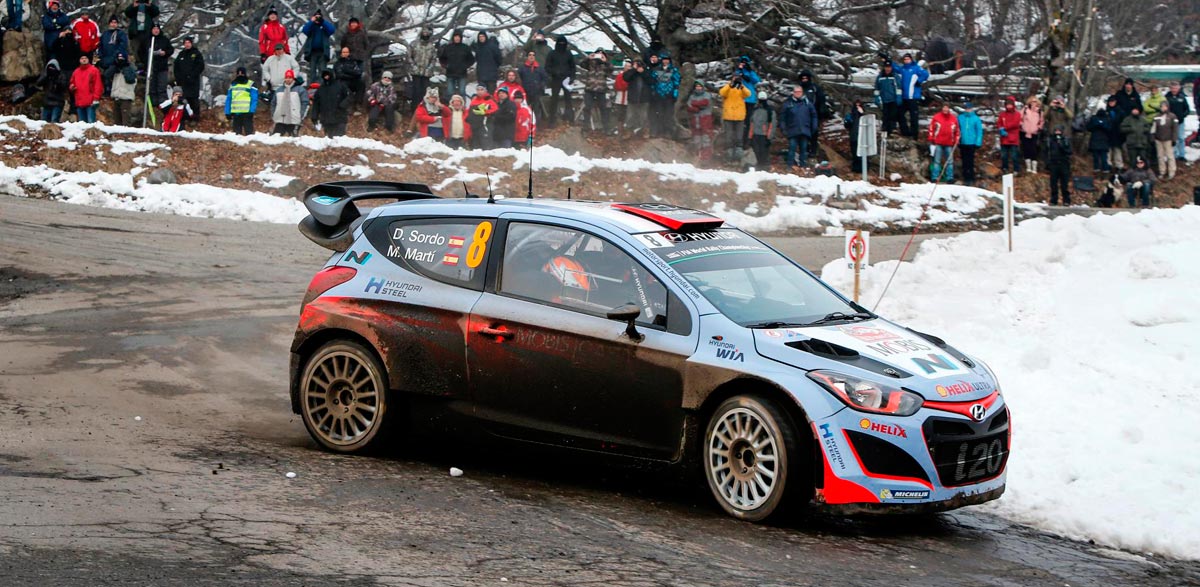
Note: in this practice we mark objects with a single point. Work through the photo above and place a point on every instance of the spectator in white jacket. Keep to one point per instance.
(275, 66)
(290, 105)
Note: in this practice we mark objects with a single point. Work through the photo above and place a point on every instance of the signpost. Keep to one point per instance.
(858, 254)
(867, 140)
(1007, 189)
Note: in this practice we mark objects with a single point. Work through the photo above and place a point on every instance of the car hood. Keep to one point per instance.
(887, 352)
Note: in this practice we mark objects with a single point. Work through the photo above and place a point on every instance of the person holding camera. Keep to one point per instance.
(733, 116)
(319, 32)
(596, 70)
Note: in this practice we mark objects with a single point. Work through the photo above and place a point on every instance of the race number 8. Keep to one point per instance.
(479, 244)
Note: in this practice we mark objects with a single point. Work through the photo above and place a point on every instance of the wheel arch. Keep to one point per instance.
(315, 341)
(802, 426)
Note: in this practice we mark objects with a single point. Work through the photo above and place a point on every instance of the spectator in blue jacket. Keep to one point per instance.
(664, 91)
(750, 80)
(54, 22)
(113, 42)
(912, 76)
(798, 122)
(971, 128)
(1100, 127)
(316, 47)
(889, 95)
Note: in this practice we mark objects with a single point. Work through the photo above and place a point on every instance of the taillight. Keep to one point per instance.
(325, 280)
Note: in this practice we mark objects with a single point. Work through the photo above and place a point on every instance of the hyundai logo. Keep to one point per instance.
(977, 412)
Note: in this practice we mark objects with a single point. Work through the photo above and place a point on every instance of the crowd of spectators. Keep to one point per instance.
(734, 122)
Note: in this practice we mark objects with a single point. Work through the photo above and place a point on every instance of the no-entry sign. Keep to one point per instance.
(858, 248)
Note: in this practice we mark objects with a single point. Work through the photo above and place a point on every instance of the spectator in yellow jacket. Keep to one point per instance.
(733, 116)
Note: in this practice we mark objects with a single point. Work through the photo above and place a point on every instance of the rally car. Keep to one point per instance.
(641, 330)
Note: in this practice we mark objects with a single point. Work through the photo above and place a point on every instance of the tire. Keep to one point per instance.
(753, 485)
(344, 398)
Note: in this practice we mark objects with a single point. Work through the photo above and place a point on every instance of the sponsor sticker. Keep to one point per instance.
(359, 258)
(962, 387)
(727, 350)
(888, 429)
(891, 494)
(831, 447)
(391, 287)
(868, 333)
(326, 200)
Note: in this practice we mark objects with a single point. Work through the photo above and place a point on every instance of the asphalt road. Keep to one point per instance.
(145, 435)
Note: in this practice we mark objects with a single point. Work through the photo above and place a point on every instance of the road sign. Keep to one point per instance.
(858, 248)
(868, 143)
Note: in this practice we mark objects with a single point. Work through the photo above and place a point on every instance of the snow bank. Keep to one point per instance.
(802, 203)
(109, 190)
(1092, 326)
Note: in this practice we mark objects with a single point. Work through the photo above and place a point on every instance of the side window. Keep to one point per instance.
(451, 250)
(578, 271)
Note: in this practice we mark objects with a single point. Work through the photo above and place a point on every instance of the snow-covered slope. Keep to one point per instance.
(1093, 328)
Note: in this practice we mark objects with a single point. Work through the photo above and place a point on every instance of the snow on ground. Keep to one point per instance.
(109, 190)
(1091, 326)
(802, 203)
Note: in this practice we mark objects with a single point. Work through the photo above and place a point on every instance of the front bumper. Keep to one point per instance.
(935, 460)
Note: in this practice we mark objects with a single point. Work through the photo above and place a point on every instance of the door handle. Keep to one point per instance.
(500, 332)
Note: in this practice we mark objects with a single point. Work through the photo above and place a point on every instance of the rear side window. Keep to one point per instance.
(448, 250)
(578, 271)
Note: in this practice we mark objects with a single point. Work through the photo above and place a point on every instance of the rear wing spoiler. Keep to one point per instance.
(332, 215)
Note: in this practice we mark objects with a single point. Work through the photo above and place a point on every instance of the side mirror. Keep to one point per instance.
(628, 313)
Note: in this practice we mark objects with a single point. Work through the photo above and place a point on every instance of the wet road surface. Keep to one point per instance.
(145, 433)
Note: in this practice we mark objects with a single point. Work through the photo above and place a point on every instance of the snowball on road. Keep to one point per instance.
(1091, 325)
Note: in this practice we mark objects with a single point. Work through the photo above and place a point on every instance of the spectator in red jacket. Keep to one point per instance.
(86, 89)
(272, 33)
(512, 82)
(944, 135)
(621, 93)
(430, 115)
(455, 125)
(478, 116)
(526, 121)
(87, 33)
(1008, 126)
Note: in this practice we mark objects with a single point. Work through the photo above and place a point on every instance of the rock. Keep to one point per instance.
(162, 175)
(22, 57)
(661, 151)
(50, 132)
(92, 133)
(17, 125)
(850, 204)
(226, 177)
(294, 189)
(571, 141)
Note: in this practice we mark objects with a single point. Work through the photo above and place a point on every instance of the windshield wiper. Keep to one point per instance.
(775, 324)
(839, 316)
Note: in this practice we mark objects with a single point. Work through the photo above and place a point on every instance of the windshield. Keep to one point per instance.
(747, 281)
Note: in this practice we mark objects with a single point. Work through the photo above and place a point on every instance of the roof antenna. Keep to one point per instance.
(568, 192)
(529, 194)
(491, 198)
(466, 192)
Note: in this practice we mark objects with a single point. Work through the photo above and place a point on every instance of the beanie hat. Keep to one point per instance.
(241, 71)
(289, 74)
(968, 106)
(111, 19)
(272, 11)
(431, 92)
(279, 46)
(518, 95)
(502, 89)
(387, 75)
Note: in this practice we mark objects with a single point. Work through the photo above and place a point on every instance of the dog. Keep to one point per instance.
(1112, 189)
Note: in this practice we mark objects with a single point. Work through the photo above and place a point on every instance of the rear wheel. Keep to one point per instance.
(748, 443)
(343, 397)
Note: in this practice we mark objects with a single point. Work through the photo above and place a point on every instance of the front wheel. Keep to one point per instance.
(343, 397)
(748, 444)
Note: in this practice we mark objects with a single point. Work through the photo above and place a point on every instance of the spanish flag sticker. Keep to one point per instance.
(450, 260)
(456, 242)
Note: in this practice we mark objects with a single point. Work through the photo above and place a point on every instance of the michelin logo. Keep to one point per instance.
(888, 494)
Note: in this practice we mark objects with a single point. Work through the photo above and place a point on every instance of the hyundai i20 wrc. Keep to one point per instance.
(640, 330)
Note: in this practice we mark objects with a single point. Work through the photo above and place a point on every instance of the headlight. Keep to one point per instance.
(868, 396)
